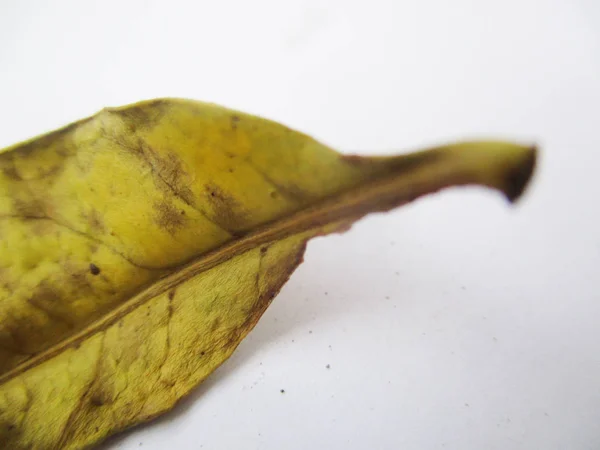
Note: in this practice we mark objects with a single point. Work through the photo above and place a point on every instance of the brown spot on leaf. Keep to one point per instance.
(142, 116)
(234, 121)
(97, 400)
(168, 217)
(167, 169)
(94, 269)
(29, 208)
(356, 160)
(172, 294)
(95, 221)
(227, 210)
(46, 299)
(10, 171)
(517, 179)
(216, 323)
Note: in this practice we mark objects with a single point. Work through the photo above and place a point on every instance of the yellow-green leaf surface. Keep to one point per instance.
(139, 246)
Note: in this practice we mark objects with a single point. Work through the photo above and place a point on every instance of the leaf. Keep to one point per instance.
(139, 246)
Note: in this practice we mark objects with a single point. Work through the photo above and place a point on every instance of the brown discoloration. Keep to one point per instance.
(407, 164)
(356, 160)
(216, 323)
(516, 180)
(94, 269)
(168, 217)
(45, 298)
(10, 171)
(227, 211)
(168, 171)
(96, 400)
(143, 116)
(96, 224)
(171, 171)
(42, 143)
(171, 294)
(235, 119)
(288, 189)
(29, 208)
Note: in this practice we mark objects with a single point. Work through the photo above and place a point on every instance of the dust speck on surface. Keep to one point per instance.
(94, 269)
(282, 391)
(328, 366)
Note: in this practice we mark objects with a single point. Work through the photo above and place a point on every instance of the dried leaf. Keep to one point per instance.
(139, 246)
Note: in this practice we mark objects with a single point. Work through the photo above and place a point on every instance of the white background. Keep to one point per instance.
(457, 322)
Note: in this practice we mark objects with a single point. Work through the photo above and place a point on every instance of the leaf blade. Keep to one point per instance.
(357, 186)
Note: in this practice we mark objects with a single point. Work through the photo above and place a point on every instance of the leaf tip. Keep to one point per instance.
(518, 177)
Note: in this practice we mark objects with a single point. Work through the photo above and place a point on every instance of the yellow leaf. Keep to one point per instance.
(139, 246)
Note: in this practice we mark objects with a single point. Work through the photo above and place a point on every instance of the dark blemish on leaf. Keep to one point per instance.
(167, 169)
(216, 323)
(94, 269)
(32, 208)
(517, 179)
(230, 170)
(202, 353)
(263, 250)
(95, 221)
(227, 211)
(143, 116)
(97, 401)
(182, 212)
(234, 122)
(356, 160)
(11, 173)
(45, 298)
(120, 324)
(168, 217)
(274, 194)
(10, 427)
(172, 294)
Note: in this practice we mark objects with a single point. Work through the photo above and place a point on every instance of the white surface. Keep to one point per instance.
(454, 323)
